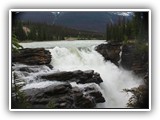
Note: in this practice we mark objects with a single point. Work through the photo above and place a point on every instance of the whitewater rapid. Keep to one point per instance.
(81, 55)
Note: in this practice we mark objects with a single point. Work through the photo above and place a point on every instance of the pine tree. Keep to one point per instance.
(19, 32)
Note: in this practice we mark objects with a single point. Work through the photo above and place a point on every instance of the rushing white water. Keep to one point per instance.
(51, 44)
(120, 55)
(80, 55)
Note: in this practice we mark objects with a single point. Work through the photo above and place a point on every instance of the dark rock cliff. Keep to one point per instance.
(32, 56)
(135, 60)
(110, 51)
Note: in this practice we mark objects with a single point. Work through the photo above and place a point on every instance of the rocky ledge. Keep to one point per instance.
(70, 89)
(32, 56)
(77, 76)
(110, 51)
(133, 57)
(64, 96)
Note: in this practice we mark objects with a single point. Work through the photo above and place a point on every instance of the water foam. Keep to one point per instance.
(115, 79)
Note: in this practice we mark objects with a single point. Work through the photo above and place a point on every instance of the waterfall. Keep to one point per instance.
(120, 55)
(81, 55)
(115, 79)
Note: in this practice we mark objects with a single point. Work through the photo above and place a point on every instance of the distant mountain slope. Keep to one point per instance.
(89, 21)
(40, 17)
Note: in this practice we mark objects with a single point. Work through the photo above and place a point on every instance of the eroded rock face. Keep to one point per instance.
(77, 76)
(110, 51)
(127, 56)
(134, 60)
(64, 96)
(66, 92)
(32, 56)
(131, 58)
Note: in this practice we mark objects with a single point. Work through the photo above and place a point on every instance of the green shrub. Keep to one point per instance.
(141, 48)
(139, 98)
(15, 44)
(18, 97)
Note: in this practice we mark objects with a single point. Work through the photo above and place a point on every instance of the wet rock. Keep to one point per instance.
(60, 89)
(110, 51)
(32, 56)
(26, 69)
(85, 101)
(44, 95)
(77, 93)
(77, 76)
(63, 96)
(16, 81)
(31, 68)
(49, 91)
(50, 66)
(92, 90)
(62, 102)
(97, 95)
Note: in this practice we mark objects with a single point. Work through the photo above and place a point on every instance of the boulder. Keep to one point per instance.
(110, 51)
(92, 90)
(97, 96)
(32, 56)
(48, 91)
(60, 89)
(63, 96)
(86, 101)
(77, 76)
(62, 102)
(41, 97)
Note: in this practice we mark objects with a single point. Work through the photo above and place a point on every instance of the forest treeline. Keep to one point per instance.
(42, 31)
(124, 30)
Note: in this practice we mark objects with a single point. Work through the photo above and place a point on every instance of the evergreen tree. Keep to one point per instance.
(19, 32)
(123, 30)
